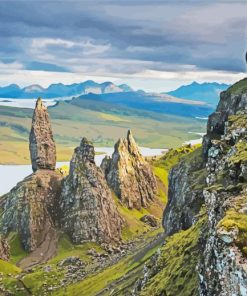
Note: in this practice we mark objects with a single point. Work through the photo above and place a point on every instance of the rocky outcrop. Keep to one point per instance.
(4, 249)
(89, 211)
(41, 144)
(31, 207)
(185, 193)
(223, 268)
(129, 175)
(222, 186)
(231, 101)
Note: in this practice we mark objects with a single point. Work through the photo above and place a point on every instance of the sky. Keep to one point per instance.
(148, 44)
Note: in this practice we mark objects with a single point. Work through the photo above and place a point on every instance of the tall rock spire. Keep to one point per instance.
(129, 175)
(41, 143)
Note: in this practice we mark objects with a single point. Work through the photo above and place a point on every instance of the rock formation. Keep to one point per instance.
(185, 193)
(89, 211)
(41, 144)
(31, 207)
(223, 267)
(231, 101)
(4, 249)
(217, 177)
(129, 175)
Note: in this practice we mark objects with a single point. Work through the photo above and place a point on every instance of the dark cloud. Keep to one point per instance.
(110, 35)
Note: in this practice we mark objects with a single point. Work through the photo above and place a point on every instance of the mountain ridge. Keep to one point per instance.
(206, 91)
(62, 90)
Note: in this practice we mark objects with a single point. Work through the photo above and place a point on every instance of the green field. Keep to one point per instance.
(100, 123)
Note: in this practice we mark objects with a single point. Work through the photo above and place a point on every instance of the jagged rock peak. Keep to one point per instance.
(41, 143)
(86, 150)
(89, 211)
(129, 175)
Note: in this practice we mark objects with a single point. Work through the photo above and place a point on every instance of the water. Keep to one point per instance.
(24, 103)
(10, 175)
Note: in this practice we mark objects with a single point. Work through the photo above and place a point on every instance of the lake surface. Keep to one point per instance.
(10, 175)
(24, 103)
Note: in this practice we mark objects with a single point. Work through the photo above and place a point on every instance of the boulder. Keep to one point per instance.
(149, 220)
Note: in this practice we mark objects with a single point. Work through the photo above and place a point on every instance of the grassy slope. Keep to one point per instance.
(177, 264)
(123, 273)
(133, 229)
(70, 123)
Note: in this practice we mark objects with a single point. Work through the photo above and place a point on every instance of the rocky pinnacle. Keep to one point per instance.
(41, 143)
(129, 175)
(89, 210)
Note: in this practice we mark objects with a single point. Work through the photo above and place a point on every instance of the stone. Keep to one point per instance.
(31, 207)
(89, 210)
(4, 249)
(41, 143)
(184, 200)
(230, 103)
(149, 220)
(129, 175)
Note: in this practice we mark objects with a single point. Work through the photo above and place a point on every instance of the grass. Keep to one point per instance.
(38, 280)
(110, 117)
(67, 249)
(16, 250)
(70, 123)
(11, 284)
(8, 268)
(239, 87)
(97, 282)
(176, 265)
(234, 219)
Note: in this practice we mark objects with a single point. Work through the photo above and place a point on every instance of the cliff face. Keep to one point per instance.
(185, 193)
(231, 101)
(31, 207)
(129, 175)
(223, 268)
(89, 211)
(41, 144)
(216, 238)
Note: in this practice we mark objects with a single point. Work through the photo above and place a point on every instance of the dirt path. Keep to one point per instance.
(43, 253)
(122, 285)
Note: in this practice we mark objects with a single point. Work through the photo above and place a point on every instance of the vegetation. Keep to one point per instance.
(239, 87)
(177, 264)
(8, 268)
(16, 250)
(103, 127)
(234, 219)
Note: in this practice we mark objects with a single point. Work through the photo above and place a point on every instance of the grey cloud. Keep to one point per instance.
(156, 35)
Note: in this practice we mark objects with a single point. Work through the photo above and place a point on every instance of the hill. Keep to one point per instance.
(207, 92)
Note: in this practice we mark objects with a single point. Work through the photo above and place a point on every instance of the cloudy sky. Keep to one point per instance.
(149, 44)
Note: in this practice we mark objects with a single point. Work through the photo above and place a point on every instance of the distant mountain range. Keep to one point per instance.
(207, 92)
(62, 90)
(204, 92)
(144, 102)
